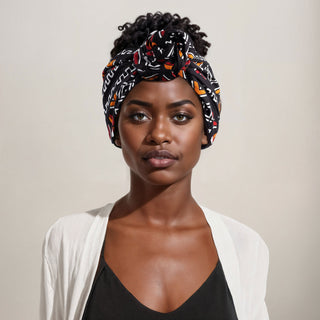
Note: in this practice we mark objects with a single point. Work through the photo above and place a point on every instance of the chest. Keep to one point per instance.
(160, 268)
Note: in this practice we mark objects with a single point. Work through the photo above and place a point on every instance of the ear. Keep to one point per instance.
(204, 139)
(117, 142)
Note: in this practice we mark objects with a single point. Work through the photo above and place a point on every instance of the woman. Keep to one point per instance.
(155, 253)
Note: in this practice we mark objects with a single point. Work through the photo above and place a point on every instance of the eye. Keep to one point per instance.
(182, 117)
(138, 116)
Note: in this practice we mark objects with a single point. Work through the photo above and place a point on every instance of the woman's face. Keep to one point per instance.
(161, 130)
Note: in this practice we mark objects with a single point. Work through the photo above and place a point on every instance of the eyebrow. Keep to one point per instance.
(172, 105)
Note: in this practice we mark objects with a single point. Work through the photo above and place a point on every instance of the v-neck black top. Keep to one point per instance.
(109, 299)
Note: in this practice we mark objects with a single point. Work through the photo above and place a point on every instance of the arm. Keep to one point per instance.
(48, 288)
(259, 285)
(46, 291)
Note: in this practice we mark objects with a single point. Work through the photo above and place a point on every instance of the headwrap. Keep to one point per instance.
(163, 56)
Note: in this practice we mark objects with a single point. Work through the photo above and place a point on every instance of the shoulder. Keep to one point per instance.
(243, 235)
(69, 233)
(253, 259)
(69, 227)
(247, 242)
(245, 259)
(253, 256)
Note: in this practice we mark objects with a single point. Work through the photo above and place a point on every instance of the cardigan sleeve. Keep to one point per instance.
(46, 285)
(48, 293)
(253, 259)
(62, 251)
(259, 285)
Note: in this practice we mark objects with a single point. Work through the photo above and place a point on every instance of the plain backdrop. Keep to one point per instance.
(56, 157)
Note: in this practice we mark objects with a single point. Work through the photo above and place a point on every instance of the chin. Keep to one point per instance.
(162, 178)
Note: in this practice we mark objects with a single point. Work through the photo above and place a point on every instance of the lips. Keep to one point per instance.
(159, 154)
(160, 159)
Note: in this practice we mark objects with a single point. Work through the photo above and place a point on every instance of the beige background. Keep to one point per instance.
(56, 158)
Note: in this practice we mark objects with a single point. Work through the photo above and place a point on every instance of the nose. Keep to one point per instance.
(159, 131)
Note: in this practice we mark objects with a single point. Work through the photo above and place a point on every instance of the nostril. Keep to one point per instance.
(159, 134)
(158, 141)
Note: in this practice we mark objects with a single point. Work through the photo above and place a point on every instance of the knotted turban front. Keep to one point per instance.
(163, 56)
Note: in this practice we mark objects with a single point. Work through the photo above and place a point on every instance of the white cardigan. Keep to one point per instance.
(71, 251)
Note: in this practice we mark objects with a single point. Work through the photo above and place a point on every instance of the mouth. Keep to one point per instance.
(159, 154)
(160, 158)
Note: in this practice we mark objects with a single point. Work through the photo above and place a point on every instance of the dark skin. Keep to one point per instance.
(158, 241)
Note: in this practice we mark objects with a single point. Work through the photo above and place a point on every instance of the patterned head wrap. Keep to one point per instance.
(164, 55)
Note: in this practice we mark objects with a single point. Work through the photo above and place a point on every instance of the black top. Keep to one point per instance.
(109, 299)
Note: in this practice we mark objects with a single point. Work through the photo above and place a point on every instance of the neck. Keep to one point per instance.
(168, 205)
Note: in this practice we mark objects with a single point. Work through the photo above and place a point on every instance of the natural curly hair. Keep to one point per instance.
(134, 34)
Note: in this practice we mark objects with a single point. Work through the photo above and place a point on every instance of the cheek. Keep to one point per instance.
(131, 140)
(129, 151)
(131, 136)
(193, 136)
(192, 141)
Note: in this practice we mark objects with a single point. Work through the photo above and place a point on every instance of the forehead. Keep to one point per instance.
(168, 91)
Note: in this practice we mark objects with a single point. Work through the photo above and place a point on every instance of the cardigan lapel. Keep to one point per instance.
(89, 261)
(227, 255)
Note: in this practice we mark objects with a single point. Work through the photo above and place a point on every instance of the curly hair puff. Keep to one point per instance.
(133, 34)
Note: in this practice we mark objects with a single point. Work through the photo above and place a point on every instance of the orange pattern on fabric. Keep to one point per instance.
(213, 137)
(113, 102)
(150, 44)
(197, 89)
(111, 63)
(152, 78)
(111, 119)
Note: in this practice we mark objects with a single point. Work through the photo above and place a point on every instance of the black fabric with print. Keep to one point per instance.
(163, 56)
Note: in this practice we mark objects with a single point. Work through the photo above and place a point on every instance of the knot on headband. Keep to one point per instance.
(163, 56)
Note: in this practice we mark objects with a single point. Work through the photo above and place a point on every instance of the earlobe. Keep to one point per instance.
(204, 139)
(117, 142)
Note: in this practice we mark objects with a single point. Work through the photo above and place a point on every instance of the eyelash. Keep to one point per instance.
(132, 116)
(186, 117)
